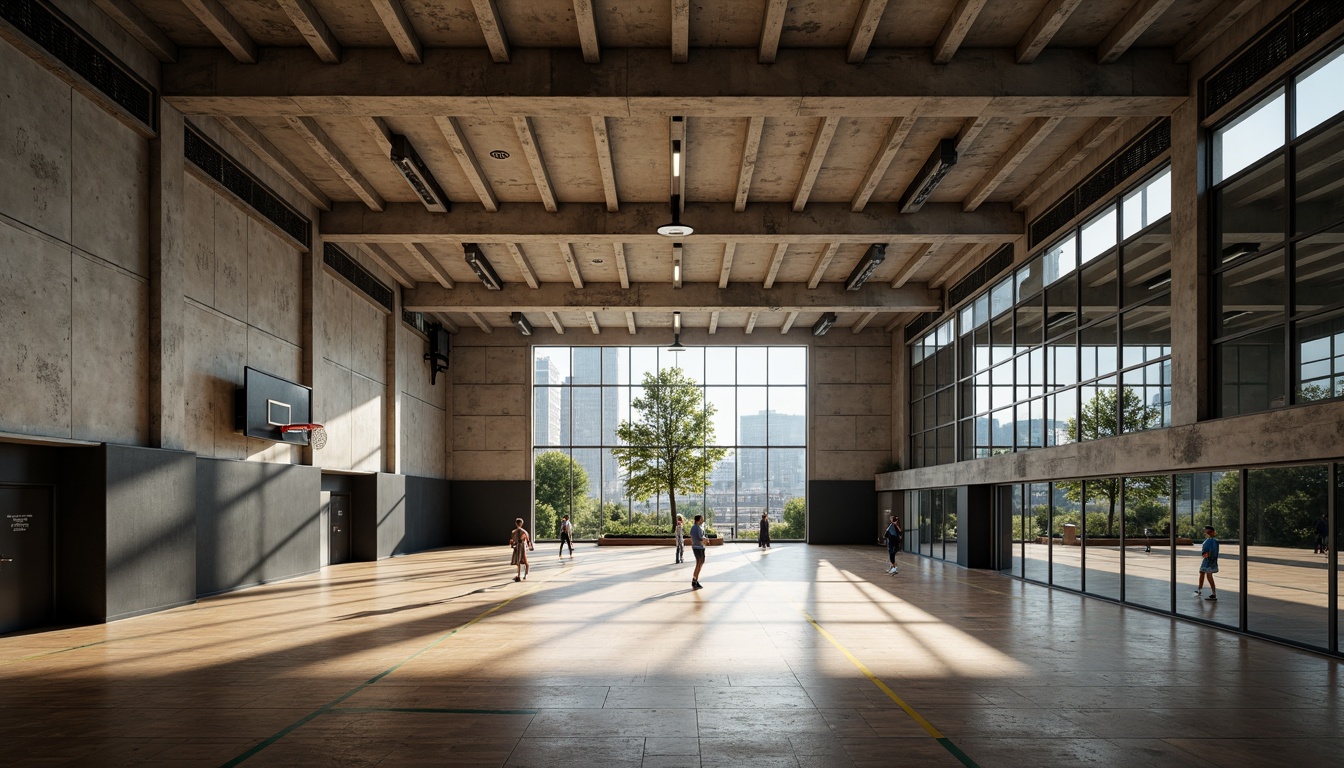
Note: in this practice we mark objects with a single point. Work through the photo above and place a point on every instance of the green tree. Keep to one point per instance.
(1104, 416)
(795, 514)
(665, 448)
(561, 487)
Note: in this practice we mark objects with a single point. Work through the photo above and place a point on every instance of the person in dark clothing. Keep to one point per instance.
(698, 549)
(1322, 536)
(763, 538)
(566, 537)
(894, 537)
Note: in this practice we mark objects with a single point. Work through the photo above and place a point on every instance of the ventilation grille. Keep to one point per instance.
(358, 276)
(988, 270)
(917, 326)
(1125, 163)
(1290, 34)
(416, 320)
(55, 33)
(206, 155)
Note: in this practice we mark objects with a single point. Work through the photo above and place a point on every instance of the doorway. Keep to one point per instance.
(339, 520)
(25, 557)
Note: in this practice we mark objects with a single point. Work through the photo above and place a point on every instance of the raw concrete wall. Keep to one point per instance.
(492, 405)
(849, 419)
(349, 392)
(424, 409)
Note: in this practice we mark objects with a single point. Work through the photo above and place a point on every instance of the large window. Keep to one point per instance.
(1278, 272)
(759, 396)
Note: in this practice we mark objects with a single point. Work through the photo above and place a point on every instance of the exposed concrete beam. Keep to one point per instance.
(621, 270)
(377, 129)
(821, 223)
(1043, 29)
(277, 160)
(771, 28)
(970, 131)
(862, 322)
(399, 28)
(865, 25)
(751, 322)
(894, 324)
(604, 163)
(389, 264)
(1075, 154)
(567, 253)
(713, 322)
(431, 264)
(466, 158)
(775, 264)
(823, 262)
(681, 31)
(955, 30)
(636, 82)
(877, 169)
(524, 266)
(956, 264)
(726, 265)
(1210, 27)
(139, 26)
(821, 142)
(630, 322)
(1038, 131)
(592, 323)
(496, 39)
(1135, 23)
(789, 320)
(225, 28)
(555, 323)
(447, 322)
(662, 297)
(917, 260)
(310, 24)
(750, 148)
(528, 138)
(583, 16)
(480, 322)
(326, 149)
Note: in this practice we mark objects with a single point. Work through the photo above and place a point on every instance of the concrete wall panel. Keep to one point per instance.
(368, 340)
(110, 194)
(109, 354)
(468, 363)
(334, 320)
(873, 365)
(834, 434)
(273, 355)
(469, 433)
(331, 407)
(508, 432)
(34, 145)
(833, 365)
(34, 334)
(215, 355)
(491, 465)
(366, 416)
(493, 400)
(848, 465)
(424, 444)
(274, 280)
(230, 258)
(856, 399)
(198, 231)
(507, 365)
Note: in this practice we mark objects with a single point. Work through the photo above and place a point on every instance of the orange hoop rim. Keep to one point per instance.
(317, 433)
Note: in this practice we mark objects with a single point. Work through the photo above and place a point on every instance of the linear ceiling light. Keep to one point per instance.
(875, 254)
(418, 176)
(481, 266)
(935, 168)
(823, 325)
(1237, 250)
(676, 334)
(676, 183)
(676, 265)
(520, 322)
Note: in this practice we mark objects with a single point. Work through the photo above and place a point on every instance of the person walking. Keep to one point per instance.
(894, 536)
(521, 542)
(698, 549)
(1322, 536)
(763, 538)
(1209, 565)
(566, 537)
(679, 530)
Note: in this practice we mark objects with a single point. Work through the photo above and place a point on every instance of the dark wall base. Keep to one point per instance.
(483, 511)
(841, 511)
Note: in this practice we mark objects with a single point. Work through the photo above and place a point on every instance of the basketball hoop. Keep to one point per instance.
(317, 434)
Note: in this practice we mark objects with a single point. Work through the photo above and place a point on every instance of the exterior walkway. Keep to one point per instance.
(803, 656)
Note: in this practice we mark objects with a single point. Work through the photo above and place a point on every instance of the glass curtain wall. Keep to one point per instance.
(933, 523)
(1278, 220)
(581, 395)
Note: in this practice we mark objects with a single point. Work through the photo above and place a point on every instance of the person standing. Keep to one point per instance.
(763, 538)
(894, 536)
(1322, 536)
(698, 549)
(679, 530)
(521, 542)
(1209, 564)
(566, 537)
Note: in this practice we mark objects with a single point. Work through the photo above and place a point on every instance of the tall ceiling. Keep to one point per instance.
(549, 124)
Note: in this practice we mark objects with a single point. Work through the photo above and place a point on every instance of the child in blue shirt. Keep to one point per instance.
(1209, 565)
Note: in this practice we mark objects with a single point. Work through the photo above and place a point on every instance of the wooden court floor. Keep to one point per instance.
(802, 656)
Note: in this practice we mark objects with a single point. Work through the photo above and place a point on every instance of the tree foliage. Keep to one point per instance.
(1104, 416)
(562, 489)
(664, 448)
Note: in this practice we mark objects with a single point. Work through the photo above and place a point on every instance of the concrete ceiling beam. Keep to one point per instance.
(524, 266)
(820, 224)
(528, 138)
(1135, 23)
(824, 261)
(431, 264)
(383, 259)
(605, 165)
(681, 31)
(587, 23)
(496, 39)
(865, 26)
(310, 24)
(325, 148)
(637, 82)
(466, 159)
(771, 29)
(726, 265)
(775, 263)
(622, 271)
(1209, 28)
(821, 142)
(1043, 29)
(225, 28)
(139, 26)
(1101, 130)
(662, 297)
(917, 260)
(751, 147)
(400, 30)
(277, 160)
(877, 169)
(958, 25)
(1038, 131)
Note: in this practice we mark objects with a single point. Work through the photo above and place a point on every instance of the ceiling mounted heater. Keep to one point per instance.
(418, 176)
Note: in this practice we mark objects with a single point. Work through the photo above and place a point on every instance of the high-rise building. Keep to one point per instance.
(546, 401)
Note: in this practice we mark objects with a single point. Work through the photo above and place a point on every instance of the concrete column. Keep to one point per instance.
(900, 399)
(310, 333)
(1190, 380)
(392, 395)
(167, 370)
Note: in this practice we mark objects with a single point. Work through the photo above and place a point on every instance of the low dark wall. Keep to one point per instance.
(391, 515)
(151, 529)
(81, 543)
(428, 508)
(975, 527)
(841, 511)
(255, 522)
(483, 511)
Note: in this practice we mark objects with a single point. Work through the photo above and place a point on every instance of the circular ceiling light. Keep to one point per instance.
(596, 261)
(675, 229)
(499, 154)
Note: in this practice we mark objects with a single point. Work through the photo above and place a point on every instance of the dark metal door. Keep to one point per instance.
(25, 557)
(339, 519)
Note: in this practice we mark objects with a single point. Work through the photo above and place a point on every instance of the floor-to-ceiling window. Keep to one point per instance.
(758, 397)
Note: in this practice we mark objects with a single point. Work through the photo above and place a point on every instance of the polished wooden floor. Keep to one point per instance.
(801, 656)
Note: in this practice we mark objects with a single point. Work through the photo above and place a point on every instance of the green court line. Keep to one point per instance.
(326, 708)
(429, 710)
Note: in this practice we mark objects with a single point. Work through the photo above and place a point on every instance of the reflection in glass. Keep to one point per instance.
(1318, 272)
(1319, 198)
(1066, 551)
(950, 524)
(1062, 411)
(1099, 415)
(1001, 297)
(1320, 352)
(1101, 535)
(924, 502)
(1145, 333)
(1252, 294)
(1251, 373)
(1001, 337)
(1287, 583)
(1097, 352)
(1100, 288)
(1061, 307)
(1036, 557)
(1250, 137)
(1148, 551)
(1028, 279)
(1208, 498)
(1147, 263)
(1030, 325)
(1059, 259)
(1251, 210)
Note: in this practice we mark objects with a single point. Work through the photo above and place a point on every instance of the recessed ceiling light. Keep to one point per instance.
(596, 261)
(499, 154)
